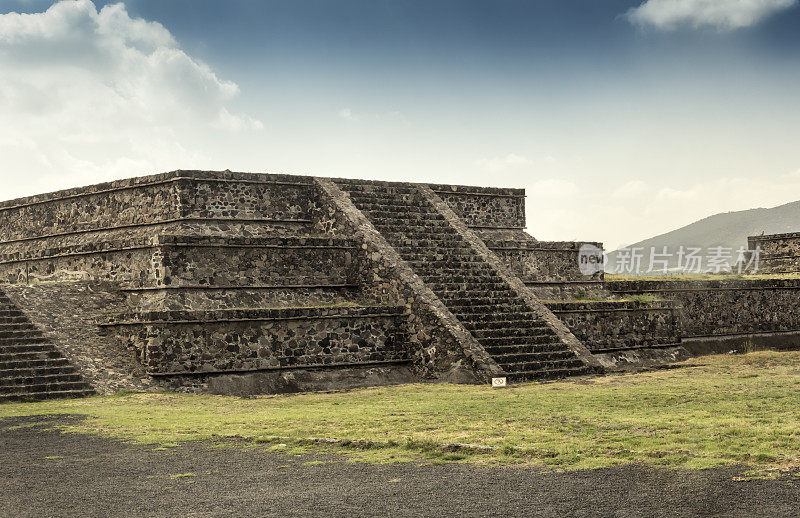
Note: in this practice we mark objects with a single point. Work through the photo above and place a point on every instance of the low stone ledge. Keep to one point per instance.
(332, 365)
(537, 283)
(163, 222)
(256, 242)
(652, 285)
(255, 287)
(110, 246)
(548, 246)
(249, 315)
(468, 190)
(77, 250)
(607, 305)
(156, 179)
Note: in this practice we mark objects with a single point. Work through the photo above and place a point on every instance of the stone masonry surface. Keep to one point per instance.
(725, 307)
(779, 253)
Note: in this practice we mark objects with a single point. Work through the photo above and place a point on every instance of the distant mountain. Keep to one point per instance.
(729, 230)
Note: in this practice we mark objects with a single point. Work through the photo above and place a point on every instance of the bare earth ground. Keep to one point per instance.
(44, 472)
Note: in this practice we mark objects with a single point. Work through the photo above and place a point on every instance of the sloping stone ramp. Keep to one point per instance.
(516, 337)
(30, 366)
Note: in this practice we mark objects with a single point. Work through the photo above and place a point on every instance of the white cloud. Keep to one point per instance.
(347, 114)
(88, 95)
(510, 161)
(631, 189)
(553, 189)
(723, 15)
(388, 118)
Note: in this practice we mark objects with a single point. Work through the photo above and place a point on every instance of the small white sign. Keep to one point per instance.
(498, 382)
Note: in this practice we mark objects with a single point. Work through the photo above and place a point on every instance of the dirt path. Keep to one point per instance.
(47, 473)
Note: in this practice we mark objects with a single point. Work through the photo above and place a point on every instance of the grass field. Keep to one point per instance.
(715, 410)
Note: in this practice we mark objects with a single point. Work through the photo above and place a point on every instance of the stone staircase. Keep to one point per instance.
(520, 341)
(30, 366)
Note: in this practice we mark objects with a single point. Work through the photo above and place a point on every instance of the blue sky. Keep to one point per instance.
(623, 119)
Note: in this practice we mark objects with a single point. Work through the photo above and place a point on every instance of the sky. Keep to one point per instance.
(622, 119)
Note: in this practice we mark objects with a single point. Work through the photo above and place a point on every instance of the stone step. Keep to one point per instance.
(376, 195)
(465, 299)
(39, 347)
(536, 375)
(44, 387)
(43, 354)
(546, 356)
(519, 332)
(505, 323)
(430, 224)
(392, 208)
(469, 261)
(477, 282)
(13, 320)
(439, 250)
(527, 348)
(34, 363)
(568, 363)
(21, 340)
(468, 275)
(512, 320)
(21, 325)
(484, 314)
(452, 266)
(423, 252)
(17, 334)
(9, 382)
(370, 187)
(379, 197)
(518, 340)
(30, 372)
(5, 312)
(460, 287)
(461, 294)
(503, 305)
(30, 354)
(413, 239)
(40, 395)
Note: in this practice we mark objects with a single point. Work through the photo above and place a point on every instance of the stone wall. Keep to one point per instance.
(485, 207)
(104, 206)
(205, 203)
(543, 261)
(609, 325)
(180, 261)
(183, 342)
(130, 262)
(725, 307)
(780, 253)
(224, 262)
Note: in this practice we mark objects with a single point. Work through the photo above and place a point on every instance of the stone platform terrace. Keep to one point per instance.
(246, 283)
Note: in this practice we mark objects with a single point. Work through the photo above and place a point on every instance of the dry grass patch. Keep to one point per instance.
(726, 409)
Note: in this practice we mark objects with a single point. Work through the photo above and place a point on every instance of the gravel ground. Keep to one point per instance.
(46, 473)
